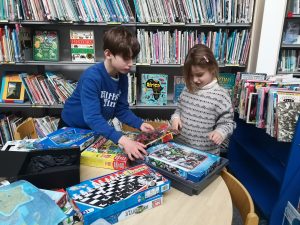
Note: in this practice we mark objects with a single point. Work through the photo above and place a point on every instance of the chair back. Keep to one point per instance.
(241, 199)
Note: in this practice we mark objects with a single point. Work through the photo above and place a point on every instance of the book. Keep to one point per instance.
(189, 163)
(154, 88)
(45, 46)
(12, 89)
(227, 81)
(82, 45)
(252, 108)
(19, 145)
(179, 85)
(104, 196)
(291, 34)
(66, 137)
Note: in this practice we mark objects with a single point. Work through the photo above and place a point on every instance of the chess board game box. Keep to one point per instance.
(104, 196)
(187, 162)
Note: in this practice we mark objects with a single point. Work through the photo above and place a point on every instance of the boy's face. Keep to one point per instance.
(120, 64)
(200, 76)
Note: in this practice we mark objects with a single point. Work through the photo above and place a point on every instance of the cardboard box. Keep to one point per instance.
(48, 169)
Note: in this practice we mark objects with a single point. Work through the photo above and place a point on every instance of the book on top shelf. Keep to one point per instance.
(82, 45)
(154, 89)
(45, 46)
(12, 89)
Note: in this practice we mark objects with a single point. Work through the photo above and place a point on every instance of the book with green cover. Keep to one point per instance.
(45, 47)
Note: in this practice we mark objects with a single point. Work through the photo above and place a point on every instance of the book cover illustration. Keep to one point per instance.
(227, 81)
(179, 85)
(252, 108)
(288, 110)
(291, 35)
(183, 161)
(154, 89)
(23, 203)
(45, 46)
(104, 196)
(19, 145)
(82, 45)
(66, 137)
(12, 89)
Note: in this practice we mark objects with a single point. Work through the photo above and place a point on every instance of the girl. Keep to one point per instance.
(204, 113)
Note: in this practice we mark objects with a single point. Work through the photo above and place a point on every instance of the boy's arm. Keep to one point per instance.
(123, 113)
(225, 123)
(92, 112)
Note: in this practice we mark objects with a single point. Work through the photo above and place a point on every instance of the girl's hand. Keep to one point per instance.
(176, 124)
(134, 149)
(216, 137)
(146, 127)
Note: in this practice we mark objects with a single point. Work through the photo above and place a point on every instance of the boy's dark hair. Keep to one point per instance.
(199, 55)
(121, 41)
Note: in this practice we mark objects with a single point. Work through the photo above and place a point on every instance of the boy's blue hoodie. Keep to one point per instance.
(98, 98)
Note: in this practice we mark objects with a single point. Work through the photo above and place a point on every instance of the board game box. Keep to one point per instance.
(149, 204)
(183, 161)
(104, 196)
(66, 137)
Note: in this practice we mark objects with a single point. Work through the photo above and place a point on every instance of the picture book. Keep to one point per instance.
(154, 89)
(183, 161)
(153, 202)
(12, 89)
(19, 145)
(227, 81)
(252, 108)
(291, 34)
(288, 110)
(179, 84)
(45, 46)
(66, 137)
(23, 203)
(82, 45)
(291, 215)
(104, 196)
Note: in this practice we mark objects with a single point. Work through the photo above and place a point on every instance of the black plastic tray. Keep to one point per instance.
(188, 187)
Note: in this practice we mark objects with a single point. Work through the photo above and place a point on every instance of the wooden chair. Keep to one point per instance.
(241, 199)
(26, 129)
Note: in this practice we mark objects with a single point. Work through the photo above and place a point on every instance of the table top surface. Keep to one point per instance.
(212, 206)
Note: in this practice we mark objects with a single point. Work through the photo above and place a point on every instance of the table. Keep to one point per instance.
(212, 206)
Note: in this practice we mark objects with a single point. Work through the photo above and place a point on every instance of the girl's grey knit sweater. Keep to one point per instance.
(208, 109)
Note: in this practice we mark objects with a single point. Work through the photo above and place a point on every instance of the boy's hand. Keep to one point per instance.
(146, 127)
(134, 149)
(216, 137)
(176, 124)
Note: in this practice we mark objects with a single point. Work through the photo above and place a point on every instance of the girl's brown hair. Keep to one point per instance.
(199, 55)
(121, 41)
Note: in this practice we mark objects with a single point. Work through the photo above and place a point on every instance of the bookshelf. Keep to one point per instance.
(72, 70)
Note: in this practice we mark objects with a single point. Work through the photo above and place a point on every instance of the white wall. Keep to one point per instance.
(270, 38)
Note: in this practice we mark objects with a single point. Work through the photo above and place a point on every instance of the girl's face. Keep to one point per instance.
(201, 77)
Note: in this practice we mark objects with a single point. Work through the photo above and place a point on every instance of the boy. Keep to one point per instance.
(101, 93)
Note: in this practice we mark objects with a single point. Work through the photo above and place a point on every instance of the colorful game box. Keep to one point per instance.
(107, 195)
(66, 137)
(186, 162)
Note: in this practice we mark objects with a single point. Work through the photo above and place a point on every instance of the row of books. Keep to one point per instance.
(194, 11)
(210, 11)
(48, 89)
(289, 60)
(164, 47)
(269, 104)
(9, 123)
(294, 6)
(68, 10)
